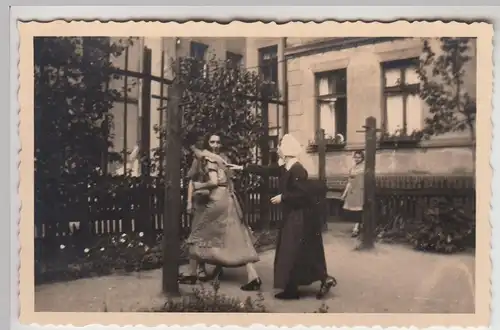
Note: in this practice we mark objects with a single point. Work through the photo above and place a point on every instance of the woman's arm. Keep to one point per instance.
(213, 180)
(190, 191)
(271, 170)
(208, 155)
(296, 190)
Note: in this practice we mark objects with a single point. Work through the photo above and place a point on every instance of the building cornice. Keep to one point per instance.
(333, 44)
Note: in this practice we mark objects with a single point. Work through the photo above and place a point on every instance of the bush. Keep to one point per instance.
(116, 253)
(444, 228)
(212, 301)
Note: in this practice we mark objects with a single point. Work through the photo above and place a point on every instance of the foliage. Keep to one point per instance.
(81, 257)
(331, 142)
(451, 107)
(73, 99)
(212, 301)
(444, 228)
(219, 98)
(401, 138)
(401, 135)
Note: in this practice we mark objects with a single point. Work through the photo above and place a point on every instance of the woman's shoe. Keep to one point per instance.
(253, 285)
(355, 230)
(217, 273)
(203, 276)
(187, 279)
(326, 285)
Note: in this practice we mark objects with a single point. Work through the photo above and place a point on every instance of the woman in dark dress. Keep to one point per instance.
(300, 257)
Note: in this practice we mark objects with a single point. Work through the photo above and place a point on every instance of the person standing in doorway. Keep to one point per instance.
(353, 195)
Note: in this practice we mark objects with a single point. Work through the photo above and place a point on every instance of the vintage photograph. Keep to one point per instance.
(256, 174)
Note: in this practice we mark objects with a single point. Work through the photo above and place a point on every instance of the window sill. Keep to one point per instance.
(398, 143)
(313, 147)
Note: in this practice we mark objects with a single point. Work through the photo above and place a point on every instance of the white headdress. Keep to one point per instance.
(290, 147)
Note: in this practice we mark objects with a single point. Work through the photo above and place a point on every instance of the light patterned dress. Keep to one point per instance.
(219, 236)
(355, 188)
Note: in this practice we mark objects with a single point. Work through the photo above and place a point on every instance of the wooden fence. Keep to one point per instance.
(115, 204)
(118, 205)
(408, 196)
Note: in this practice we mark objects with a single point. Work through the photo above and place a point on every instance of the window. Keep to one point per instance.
(234, 60)
(198, 50)
(273, 140)
(402, 107)
(331, 103)
(268, 63)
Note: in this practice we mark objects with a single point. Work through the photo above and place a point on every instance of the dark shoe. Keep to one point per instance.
(217, 273)
(187, 279)
(252, 285)
(326, 285)
(203, 276)
(287, 295)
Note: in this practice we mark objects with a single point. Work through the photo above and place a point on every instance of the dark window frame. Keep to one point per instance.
(197, 48)
(402, 89)
(340, 78)
(268, 67)
(234, 60)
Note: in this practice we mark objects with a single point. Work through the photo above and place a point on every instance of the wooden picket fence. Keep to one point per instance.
(409, 196)
(114, 205)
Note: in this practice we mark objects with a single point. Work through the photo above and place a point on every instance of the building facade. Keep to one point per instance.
(128, 115)
(328, 83)
(335, 83)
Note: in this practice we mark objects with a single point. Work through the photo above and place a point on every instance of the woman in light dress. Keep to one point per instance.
(353, 195)
(218, 235)
(196, 203)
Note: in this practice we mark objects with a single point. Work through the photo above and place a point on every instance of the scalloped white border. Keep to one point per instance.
(399, 28)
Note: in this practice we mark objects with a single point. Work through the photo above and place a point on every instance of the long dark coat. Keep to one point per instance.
(300, 255)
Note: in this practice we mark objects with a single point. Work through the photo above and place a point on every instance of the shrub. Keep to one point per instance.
(212, 301)
(444, 229)
(116, 253)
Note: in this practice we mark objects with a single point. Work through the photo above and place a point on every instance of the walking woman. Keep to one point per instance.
(300, 257)
(353, 195)
(219, 236)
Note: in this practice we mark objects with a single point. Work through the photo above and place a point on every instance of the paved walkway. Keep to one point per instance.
(390, 279)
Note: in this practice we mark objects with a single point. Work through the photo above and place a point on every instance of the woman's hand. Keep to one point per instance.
(276, 199)
(189, 208)
(234, 167)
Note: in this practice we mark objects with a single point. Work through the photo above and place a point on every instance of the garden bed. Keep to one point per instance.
(121, 253)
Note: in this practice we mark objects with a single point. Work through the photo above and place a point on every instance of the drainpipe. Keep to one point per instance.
(285, 86)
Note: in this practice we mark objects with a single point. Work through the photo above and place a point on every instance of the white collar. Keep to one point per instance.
(289, 163)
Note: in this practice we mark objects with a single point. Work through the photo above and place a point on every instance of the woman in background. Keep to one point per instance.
(353, 195)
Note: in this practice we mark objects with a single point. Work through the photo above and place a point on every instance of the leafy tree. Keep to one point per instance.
(220, 98)
(451, 107)
(72, 101)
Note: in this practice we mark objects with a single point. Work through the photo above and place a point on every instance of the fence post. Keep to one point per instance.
(369, 217)
(146, 113)
(264, 191)
(320, 140)
(172, 207)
